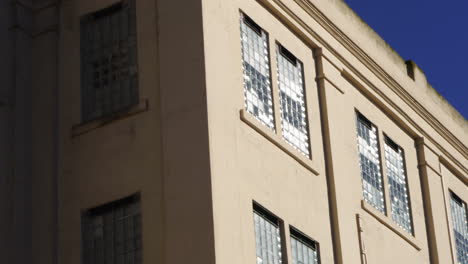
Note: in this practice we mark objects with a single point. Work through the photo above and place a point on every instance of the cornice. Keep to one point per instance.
(353, 80)
(370, 64)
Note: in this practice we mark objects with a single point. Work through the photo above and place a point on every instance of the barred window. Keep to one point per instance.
(398, 185)
(369, 155)
(111, 233)
(267, 237)
(303, 249)
(460, 228)
(292, 100)
(109, 76)
(256, 67)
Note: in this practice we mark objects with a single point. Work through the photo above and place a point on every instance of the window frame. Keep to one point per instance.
(134, 105)
(261, 211)
(386, 216)
(299, 235)
(451, 195)
(280, 48)
(247, 21)
(385, 197)
(100, 210)
(387, 188)
(276, 136)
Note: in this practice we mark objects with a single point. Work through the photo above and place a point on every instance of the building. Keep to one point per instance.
(214, 131)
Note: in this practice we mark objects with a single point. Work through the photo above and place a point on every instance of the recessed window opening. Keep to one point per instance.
(112, 233)
(256, 68)
(304, 250)
(369, 161)
(267, 237)
(294, 123)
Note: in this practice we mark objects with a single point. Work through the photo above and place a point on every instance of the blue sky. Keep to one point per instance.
(432, 33)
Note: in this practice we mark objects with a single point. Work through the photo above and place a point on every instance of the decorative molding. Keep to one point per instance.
(351, 46)
(367, 61)
(324, 77)
(331, 62)
(425, 164)
(350, 78)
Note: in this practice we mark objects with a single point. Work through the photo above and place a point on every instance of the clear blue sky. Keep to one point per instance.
(434, 34)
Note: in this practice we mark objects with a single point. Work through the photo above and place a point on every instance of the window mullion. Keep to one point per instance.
(383, 171)
(275, 86)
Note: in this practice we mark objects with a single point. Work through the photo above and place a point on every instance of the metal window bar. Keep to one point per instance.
(256, 68)
(292, 100)
(398, 185)
(112, 234)
(303, 249)
(460, 228)
(267, 238)
(109, 75)
(369, 157)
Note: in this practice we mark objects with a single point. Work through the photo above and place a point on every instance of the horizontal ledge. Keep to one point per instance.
(390, 225)
(425, 164)
(275, 139)
(323, 77)
(86, 127)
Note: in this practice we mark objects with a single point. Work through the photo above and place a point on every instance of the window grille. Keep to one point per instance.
(112, 233)
(256, 67)
(109, 76)
(398, 186)
(292, 100)
(303, 249)
(460, 228)
(267, 237)
(368, 146)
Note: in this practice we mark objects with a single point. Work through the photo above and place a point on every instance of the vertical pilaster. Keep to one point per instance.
(331, 185)
(433, 192)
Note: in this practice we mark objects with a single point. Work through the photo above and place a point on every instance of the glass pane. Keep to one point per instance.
(108, 61)
(460, 228)
(292, 102)
(369, 157)
(111, 235)
(398, 188)
(256, 67)
(303, 251)
(267, 240)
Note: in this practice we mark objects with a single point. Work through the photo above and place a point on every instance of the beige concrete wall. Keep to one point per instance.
(383, 245)
(159, 151)
(199, 164)
(116, 160)
(247, 163)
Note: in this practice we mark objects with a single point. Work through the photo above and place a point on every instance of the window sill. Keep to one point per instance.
(390, 225)
(278, 141)
(86, 127)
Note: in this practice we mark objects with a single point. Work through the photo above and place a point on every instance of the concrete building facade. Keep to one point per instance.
(214, 131)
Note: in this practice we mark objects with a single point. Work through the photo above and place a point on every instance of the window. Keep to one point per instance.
(368, 146)
(112, 233)
(292, 100)
(397, 184)
(303, 249)
(256, 67)
(288, 92)
(460, 228)
(109, 76)
(267, 237)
